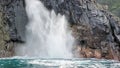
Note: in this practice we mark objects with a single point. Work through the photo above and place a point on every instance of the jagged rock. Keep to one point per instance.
(94, 28)
(12, 25)
(16, 18)
(4, 35)
(97, 31)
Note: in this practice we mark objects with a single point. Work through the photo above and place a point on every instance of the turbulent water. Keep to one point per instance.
(47, 33)
(56, 63)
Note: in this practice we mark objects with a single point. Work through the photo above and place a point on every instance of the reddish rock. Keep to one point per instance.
(97, 54)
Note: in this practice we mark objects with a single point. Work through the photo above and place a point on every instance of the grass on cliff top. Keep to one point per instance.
(113, 6)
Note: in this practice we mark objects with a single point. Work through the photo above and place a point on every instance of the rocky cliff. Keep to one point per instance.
(6, 48)
(95, 29)
(12, 25)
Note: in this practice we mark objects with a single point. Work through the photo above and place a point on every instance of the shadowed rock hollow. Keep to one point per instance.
(95, 29)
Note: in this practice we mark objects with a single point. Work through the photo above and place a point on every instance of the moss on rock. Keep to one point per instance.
(5, 47)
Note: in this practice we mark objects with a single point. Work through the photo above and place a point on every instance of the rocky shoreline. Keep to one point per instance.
(95, 29)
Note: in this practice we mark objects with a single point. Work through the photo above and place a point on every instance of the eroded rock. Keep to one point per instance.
(6, 49)
(95, 29)
(12, 25)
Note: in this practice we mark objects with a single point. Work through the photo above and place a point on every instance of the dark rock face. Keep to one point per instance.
(16, 18)
(95, 29)
(6, 49)
(13, 21)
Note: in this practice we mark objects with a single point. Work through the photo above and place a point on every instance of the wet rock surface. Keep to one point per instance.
(95, 29)
(12, 25)
(15, 16)
(6, 49)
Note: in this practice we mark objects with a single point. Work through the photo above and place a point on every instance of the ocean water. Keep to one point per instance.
(17, 62)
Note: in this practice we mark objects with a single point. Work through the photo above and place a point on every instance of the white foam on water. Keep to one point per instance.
(58, 63)
(54, 63)
(75, 63)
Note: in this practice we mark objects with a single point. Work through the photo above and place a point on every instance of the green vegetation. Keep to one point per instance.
(113, 5)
